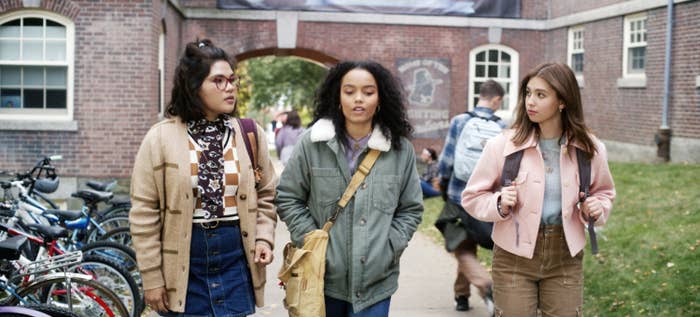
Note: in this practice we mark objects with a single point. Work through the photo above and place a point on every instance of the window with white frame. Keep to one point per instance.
(497, 62)
(576, 49)
(36, 62)
(634, 53)
(161, 72)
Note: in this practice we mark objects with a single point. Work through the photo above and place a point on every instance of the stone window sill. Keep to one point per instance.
(36, 125)
(632, 82)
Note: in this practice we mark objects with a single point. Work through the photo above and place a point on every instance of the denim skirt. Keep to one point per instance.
(219, 283)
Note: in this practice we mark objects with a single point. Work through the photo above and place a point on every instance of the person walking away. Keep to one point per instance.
(202, 224)
(288, 136)
(463, 146)
(359, 107)
(430, 180)
(539, 217)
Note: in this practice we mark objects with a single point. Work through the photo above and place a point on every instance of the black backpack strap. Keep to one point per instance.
(250, 138)
(584, 175)
(511, 167)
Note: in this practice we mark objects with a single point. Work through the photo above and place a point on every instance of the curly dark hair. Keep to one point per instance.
(392, 119)
(194, 66)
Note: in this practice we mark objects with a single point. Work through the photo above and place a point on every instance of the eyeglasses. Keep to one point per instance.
(221, 81)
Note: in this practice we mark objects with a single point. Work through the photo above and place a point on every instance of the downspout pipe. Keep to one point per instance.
(664, 134)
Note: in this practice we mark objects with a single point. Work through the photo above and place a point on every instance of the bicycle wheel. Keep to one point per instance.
(52, 311)
(122, 209)
(87, 297)
(115, 277)
(107, 224)
(119, 235)
(121, 254)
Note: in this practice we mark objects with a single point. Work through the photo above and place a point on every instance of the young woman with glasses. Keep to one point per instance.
(202, 227)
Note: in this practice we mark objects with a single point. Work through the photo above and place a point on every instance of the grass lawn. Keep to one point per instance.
(648, 263)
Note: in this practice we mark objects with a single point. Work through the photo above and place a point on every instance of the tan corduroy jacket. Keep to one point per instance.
(162, 207)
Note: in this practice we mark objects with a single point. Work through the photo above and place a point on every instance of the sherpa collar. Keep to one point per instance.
(324, 130)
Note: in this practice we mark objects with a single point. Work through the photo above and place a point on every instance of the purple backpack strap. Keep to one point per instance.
(250, 138)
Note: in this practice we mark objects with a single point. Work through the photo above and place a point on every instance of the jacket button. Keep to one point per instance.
(244, 233)
(364, 185)
(183, 268)
(358, 294)
(187, 195)
(243, 196)
(362, 221)
(363, 260)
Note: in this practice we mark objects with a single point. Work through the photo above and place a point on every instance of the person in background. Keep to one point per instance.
(430, 177)
(288, 136)
(202, 226)
(539, 223)
(359, 106)
(469, 269)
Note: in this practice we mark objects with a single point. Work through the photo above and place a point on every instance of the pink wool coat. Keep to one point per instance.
(481, 194)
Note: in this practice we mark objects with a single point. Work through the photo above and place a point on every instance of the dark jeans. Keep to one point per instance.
(340, 308)
(219, 283)
(428, 190)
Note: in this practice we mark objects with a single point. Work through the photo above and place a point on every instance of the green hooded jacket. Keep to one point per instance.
(367, 240)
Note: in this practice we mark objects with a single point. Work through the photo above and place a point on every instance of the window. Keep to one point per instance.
(36, 66)
(161, 71)
(499, 63)
(576, 50)
(635, 45)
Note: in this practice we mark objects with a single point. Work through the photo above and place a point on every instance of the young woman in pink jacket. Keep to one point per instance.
(539, 224)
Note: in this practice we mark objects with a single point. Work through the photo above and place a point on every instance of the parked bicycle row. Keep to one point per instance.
(78, 262)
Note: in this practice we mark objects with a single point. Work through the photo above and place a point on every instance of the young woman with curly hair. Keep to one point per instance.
(359, 106)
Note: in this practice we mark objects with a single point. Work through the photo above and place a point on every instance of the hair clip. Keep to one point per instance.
(201, 44)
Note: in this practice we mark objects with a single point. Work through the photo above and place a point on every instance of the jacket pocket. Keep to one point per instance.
(325, 185)
(385, 193)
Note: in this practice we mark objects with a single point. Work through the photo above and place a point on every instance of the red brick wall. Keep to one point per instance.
(633, 115)
(116, 95)
(115, 92)
(533, 9)
(566, 7)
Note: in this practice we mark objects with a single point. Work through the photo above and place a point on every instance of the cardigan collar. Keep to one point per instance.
(324, 130)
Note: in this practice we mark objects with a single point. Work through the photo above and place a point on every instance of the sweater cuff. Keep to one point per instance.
(152, 278)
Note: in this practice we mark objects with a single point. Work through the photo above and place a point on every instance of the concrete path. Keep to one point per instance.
(425, 282)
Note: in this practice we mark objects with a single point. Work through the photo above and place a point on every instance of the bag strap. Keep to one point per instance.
(584, 176)
(250, 138)
(511, 167)
(355, 182)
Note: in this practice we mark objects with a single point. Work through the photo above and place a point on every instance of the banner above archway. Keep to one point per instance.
(473, 8)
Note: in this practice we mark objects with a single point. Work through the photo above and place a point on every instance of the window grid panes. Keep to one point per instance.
(492, 64)
(37, 41)
(635, 44)
(576, 58)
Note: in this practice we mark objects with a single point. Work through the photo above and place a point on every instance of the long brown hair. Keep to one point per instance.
(563, 81)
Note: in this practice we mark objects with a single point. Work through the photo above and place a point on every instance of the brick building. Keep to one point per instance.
(86, 79)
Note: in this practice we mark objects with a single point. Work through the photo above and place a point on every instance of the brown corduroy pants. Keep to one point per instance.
(551, 282)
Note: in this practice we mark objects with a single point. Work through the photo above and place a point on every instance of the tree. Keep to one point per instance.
(269, 81)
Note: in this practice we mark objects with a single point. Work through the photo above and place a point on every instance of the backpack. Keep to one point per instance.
(250, 133)
(511, 166)
(471, 142)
